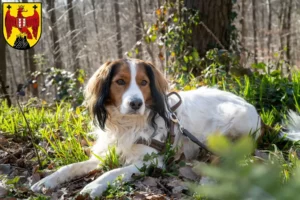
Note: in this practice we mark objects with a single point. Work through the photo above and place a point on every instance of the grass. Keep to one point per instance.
(61, 132)
(111, 159)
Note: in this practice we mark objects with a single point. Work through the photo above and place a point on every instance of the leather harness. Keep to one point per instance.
(160, 146)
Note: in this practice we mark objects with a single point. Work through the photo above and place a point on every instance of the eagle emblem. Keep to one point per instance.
(22, 24)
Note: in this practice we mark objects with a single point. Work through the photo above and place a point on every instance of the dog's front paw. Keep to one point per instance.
(45, 184)
(94, 189)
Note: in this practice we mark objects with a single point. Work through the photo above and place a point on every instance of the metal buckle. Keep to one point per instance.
(174, 118)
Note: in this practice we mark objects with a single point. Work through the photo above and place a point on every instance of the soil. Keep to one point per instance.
(17, 159)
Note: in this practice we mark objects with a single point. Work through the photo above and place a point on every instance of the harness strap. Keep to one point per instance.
(160, 146)
(155, 144)
(171, 133)
(194, 139)
(174, 107)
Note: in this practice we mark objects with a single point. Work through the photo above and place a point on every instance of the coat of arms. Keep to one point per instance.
(22, 24)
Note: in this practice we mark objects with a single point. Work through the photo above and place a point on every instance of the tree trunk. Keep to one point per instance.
(26, 64)
(243, 22)
(215, 15)
(138, 30)
(254, 29)
(96, 22)
(269, 30)
(149, 51)
(288, 38)
(2, 52)
(3, 67)
(12, 68)
(85, 39)
(32, 67)
(282, 25)
(74, 40)
(262, 31)
(54, 33)
(118, 26)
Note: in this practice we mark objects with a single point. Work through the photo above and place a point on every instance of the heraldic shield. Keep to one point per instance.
(22, 24)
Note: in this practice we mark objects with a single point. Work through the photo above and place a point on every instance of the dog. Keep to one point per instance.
(127, 101)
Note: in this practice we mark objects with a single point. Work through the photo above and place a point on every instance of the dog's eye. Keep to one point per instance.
(120, 82)
(143, 83)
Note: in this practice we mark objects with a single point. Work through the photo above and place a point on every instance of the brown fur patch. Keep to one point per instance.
(141, 76)
(116, 90)
(160, 81)
(94, 86)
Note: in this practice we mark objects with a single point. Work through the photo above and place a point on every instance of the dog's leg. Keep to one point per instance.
(97, 187)
(64, 174)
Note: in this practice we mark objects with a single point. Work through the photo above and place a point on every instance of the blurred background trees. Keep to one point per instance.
(176, 35)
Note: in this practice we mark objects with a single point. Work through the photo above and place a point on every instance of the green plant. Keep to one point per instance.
(241, 176)
(150, 167)
(61, 128)
(111, 159)
(118, 189)
(66, 84)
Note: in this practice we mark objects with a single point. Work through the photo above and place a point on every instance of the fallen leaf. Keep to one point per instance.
(34, 178)
(188, 173)
(150, 182)
(156, 197)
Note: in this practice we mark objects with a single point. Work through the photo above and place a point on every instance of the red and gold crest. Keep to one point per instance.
(22, 24)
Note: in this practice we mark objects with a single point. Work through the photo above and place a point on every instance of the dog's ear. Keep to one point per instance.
(159, 88)
(97, 92)
(160, 81)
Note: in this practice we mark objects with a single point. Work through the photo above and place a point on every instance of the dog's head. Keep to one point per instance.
(129, 85)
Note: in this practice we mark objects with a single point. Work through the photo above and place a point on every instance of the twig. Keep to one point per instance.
(31, 133)
(163, 187)
(212, 34)
(9, 154)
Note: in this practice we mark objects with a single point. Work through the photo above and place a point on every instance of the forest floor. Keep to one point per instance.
(19, 166)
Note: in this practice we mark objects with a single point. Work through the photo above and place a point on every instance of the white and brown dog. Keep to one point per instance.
(127, 99)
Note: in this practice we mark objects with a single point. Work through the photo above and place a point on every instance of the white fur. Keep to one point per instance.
(203, 112)
(132, 92)
(293, 127)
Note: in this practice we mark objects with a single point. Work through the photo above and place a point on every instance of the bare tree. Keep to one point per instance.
(138, 29)
(282, 24)
(29, 58)
(97, 29)
(26, 63)
(85, 36)
(118, 26)
(74, 41)
(33, 68)
(56, 50)
(243, 22)
(2, 54)
(288, 38)
(3, 66)
(254, 29)
(262, 30)
(149, 51)
(269, 28)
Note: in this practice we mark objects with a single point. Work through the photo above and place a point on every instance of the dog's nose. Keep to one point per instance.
(135, 104)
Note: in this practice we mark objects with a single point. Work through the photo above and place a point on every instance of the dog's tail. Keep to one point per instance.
(292, 126)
